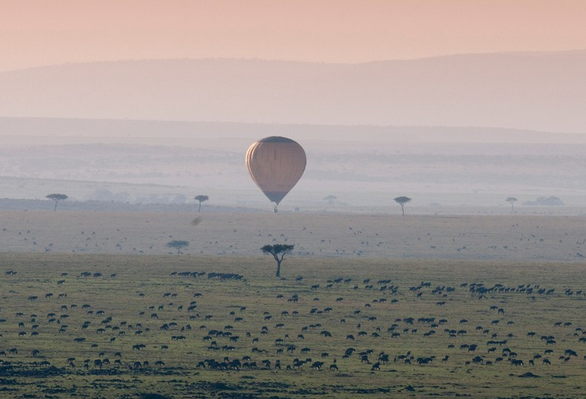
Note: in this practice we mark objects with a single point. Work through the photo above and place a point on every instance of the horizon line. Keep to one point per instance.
(294, 61)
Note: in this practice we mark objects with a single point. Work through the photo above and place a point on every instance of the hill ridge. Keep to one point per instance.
(539, 91)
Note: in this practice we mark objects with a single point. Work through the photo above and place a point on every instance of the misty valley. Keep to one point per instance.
(440, 177)
(475, 278)
(292, 199)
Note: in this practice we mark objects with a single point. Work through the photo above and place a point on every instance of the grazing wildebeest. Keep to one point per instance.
(571, 352)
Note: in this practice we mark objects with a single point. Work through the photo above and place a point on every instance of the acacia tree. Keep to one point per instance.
(512, 201)
(57, 198)
(178, 245)
(278, 251)
(402, 201)
(200, 199)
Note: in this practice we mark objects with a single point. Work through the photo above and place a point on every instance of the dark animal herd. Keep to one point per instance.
(357, 329)
(396, 329)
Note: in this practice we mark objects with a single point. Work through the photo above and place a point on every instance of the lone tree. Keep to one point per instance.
(278, 251)
(57, 198)
(512, 200)
(402, 201)
(178, 245)
(200, 199)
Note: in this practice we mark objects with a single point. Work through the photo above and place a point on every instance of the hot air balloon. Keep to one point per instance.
(275, 164)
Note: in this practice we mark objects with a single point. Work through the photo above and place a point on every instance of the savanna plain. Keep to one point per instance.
(94, 304)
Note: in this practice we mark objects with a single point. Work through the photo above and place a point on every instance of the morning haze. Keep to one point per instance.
(537, 91)
(433, 247)
(453, 130)
(450, 169)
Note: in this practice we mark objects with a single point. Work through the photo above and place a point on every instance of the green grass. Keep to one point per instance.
(143, 281)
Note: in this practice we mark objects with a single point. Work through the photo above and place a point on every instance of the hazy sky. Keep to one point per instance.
(42, 32)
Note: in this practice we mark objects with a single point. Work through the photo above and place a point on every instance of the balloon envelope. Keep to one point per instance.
(276, 165)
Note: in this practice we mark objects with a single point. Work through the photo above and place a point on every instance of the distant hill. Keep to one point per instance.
(538, 91)
(238, 136)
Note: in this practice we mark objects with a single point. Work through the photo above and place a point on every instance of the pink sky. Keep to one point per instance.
(43, 32)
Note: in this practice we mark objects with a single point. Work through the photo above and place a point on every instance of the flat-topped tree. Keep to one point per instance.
(178, 245)
(200, 199)
(57, 198)
(512, 200)
(402, 201)
(278, 251)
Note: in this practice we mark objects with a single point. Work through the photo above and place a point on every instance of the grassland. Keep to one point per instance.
(489, 237)
(83, 323)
